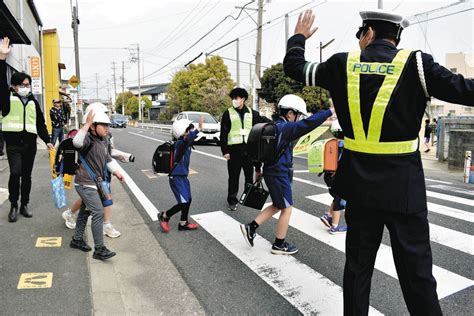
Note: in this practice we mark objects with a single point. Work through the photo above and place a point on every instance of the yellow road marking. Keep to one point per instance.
(37, 280)
(44, 242)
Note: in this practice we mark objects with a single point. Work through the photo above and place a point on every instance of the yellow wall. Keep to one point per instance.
(51, 72)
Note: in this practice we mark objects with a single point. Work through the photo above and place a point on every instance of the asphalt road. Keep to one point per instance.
(228, 277)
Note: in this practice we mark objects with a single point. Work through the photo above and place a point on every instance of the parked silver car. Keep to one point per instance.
(211, 129)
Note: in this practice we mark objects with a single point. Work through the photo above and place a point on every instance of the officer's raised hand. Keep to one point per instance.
(4, 48)
(304, 24)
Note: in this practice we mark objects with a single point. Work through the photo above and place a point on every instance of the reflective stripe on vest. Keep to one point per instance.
(391, 71)
(238, 134)
(20, 117)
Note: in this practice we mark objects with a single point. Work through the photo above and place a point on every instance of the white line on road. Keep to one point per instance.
(451, 212)
(441, 235)
(448, 282)
(141, 197)
(306, 289)
(450, 198)
(438, 181)
(452, 189)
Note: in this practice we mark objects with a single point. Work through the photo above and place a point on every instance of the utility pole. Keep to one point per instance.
(75, 29)
(97, 86)
(287, 29)
(115, 85)
(321, 47)
(258, 56)
(108, 90)
(380, 4)
(238, 62)
(123, 86)
(140, 110)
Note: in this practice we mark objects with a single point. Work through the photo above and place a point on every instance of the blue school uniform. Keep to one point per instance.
(178, 178)
(277, 175)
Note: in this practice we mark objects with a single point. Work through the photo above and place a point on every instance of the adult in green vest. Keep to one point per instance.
(236, 124)
(380, 96)
(22, 122)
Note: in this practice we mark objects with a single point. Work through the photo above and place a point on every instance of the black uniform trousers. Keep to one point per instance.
(21, 158)
(238, 160)
(410, 241)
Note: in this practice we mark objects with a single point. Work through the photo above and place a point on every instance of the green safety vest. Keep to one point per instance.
(371, 143)
(238, 134)
(21, 117)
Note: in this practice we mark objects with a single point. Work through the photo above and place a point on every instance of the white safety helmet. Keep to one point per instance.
(293, 102)
(96, 107)
(100, 117)
(179, 127)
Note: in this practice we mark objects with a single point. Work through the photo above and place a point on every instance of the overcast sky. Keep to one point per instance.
(165, 29)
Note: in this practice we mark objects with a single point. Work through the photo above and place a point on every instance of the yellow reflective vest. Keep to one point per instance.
(21, 117)
(239, 134)
(371, 143)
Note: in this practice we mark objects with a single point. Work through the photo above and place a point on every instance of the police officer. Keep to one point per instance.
(380, 103)
(236, 124)
(22, 122)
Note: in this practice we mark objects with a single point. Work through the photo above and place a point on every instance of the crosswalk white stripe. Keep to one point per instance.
(441, 235)
(306, 289)
(451, 212)
(448, 282)
(452, 189)
(438, 181)
(450, 198)
(319, 185)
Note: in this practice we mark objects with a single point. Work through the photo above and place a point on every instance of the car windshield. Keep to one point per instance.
(119, 117)
(207, 118)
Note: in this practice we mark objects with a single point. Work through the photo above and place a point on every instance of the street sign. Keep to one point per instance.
(35, 72)
(74, 81)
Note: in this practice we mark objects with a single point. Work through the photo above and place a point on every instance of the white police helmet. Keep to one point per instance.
(293, 102)
(100, 117)
(179, 127)
(335, 126)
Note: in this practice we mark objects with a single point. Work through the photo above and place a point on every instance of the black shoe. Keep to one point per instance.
(232, 207)
(24, 211)
(13, 214)
(284, 249)
(249, 236)
(80, 244)
(103, 253)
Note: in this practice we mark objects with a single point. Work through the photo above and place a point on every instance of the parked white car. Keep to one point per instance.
(211, 128)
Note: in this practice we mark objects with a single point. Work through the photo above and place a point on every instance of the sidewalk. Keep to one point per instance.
(139, 280)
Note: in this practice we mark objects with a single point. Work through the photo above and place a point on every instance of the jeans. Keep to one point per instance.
(90, 198)
(58, 133)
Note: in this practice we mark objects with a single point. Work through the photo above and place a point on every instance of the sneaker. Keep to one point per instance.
(80, 244)
(232, 207)
(340, 229)
(70, 219)
(103, 253)
(188, 226)
(110, 231)
(327, 220)
(285, 249)
(248, 235)
(165, 226)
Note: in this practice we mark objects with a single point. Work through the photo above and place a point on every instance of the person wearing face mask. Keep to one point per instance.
(236, 124)
(380, 95)
(22, 121)
(278, 175)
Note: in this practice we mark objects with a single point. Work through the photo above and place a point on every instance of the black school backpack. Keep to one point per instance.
(262, 143)
(66, 154)
(163, 158)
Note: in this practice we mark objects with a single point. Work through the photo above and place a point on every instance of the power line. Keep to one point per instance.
(441, 16)
(200, 39)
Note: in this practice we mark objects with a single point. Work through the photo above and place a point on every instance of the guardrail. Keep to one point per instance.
(160, 127)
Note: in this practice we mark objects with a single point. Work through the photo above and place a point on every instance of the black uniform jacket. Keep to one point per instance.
(387, 182)
(226, 126)
(14, 138)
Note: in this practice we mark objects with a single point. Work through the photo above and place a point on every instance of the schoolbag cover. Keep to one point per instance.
(262, 143)
(66, 154)
(323, 155)
(163, 158)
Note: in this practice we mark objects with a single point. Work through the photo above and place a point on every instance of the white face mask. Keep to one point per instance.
(23, 91)
(236, 103)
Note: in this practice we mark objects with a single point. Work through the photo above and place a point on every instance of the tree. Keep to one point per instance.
(122, 98)
(132, 106)
(201, 87)
(275, 84)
